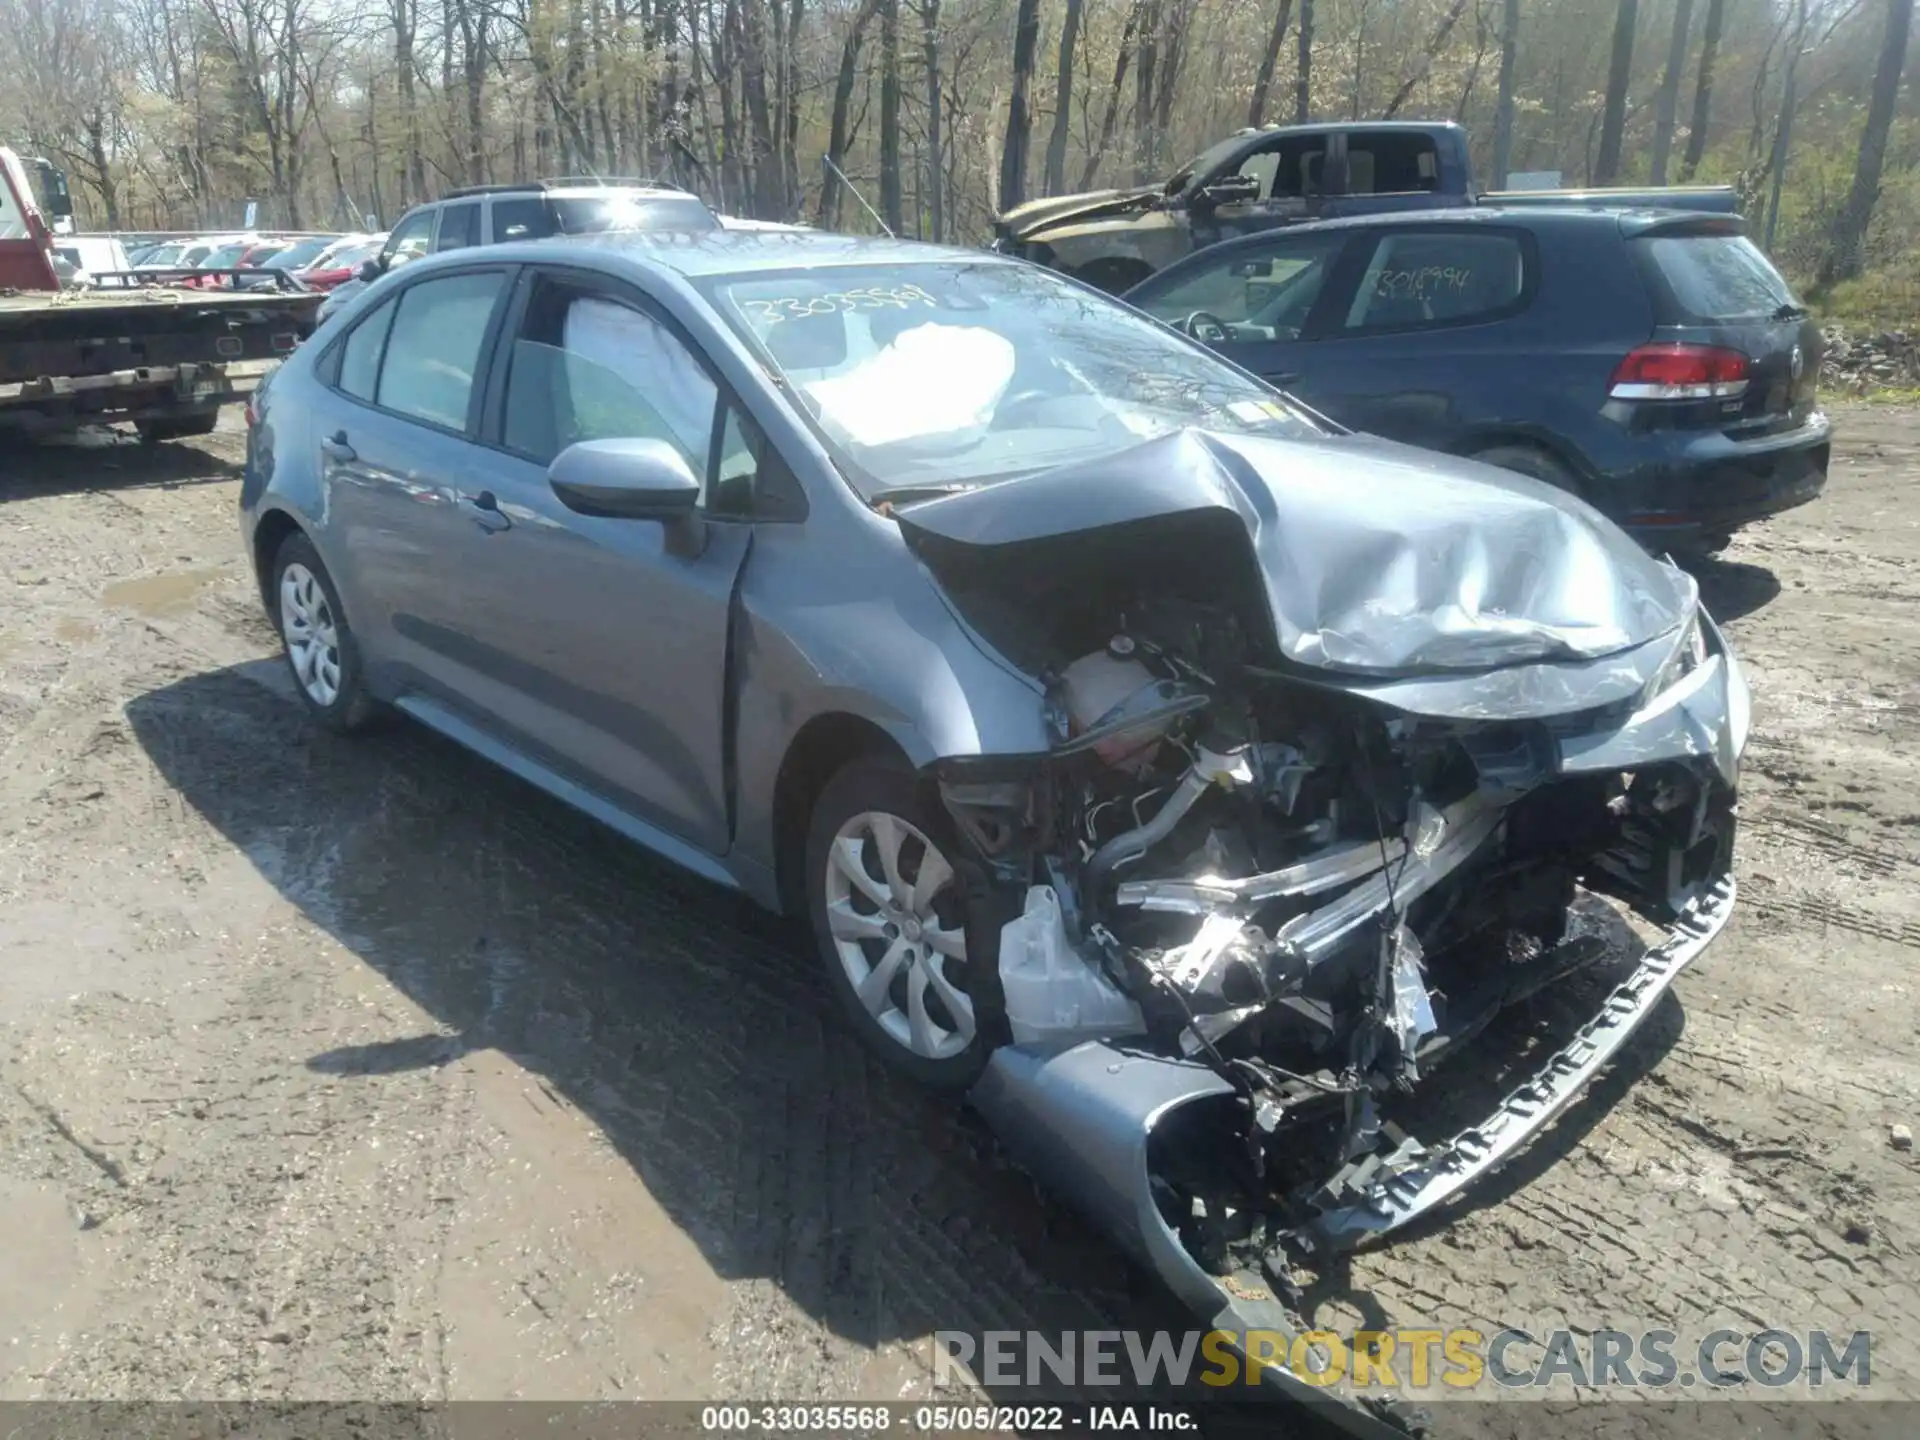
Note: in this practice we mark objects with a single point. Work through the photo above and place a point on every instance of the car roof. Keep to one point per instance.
(1543, 217)
(730, 252)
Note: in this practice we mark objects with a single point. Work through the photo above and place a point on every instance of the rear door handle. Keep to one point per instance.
(337, 449)
(485, 510)
(1284, 378)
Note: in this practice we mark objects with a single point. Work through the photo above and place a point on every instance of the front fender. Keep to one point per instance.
(868, 638)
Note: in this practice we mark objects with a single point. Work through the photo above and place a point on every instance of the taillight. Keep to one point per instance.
(1679, 372)
(253, 410)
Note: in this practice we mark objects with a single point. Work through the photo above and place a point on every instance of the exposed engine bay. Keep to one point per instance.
(1274, 904)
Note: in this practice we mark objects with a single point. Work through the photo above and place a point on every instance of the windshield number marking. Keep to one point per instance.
(800, 307)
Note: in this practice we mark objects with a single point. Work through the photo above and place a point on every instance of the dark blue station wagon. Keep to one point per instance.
(1652, 362)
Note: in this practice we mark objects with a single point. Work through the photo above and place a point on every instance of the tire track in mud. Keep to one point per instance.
(1818, 911)
(1804, 832)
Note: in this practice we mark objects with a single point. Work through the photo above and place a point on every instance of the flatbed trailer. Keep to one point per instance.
(160, 356)
(163, 358)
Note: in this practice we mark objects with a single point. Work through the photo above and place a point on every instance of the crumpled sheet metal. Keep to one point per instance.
(1381, 561)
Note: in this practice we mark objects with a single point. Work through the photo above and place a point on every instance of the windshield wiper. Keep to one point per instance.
(1789, 311)
(928, 490)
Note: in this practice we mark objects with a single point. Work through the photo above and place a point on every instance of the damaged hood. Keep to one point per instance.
(1022, 222)
(1380, 561)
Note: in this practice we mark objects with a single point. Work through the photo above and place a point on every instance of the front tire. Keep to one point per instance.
(889, 923)
(320, 647)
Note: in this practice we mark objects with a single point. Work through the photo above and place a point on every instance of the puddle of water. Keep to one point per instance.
(159, 594)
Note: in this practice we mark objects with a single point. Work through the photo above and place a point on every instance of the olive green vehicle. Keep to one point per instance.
(1259, 179)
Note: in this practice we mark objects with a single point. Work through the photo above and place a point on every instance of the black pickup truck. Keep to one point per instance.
(1281, 175)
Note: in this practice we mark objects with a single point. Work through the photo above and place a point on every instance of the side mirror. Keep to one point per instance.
(625, 480)
(1231, 189)
(1251, 269)
(369, 270)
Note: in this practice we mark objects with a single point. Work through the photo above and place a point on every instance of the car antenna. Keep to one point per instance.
(854, 190)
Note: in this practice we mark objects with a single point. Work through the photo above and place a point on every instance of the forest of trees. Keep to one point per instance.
(173, 113)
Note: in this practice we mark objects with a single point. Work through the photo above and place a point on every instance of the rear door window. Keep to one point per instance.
(1391, 164)
(433, 348)
(521, 218)
(360, 356)
(1717, 278)
(459, 227)
(1428, 279)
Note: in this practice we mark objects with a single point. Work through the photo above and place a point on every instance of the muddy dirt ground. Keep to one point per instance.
(341, 1069)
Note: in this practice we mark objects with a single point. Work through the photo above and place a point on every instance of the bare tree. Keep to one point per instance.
(1145, 78)
(1303, 76)
(1014, 146)
(1503, 104)
(1783, 127)
(1123, 58)
(827, 216)
(1606, 168)
(1435, 44)
(1843, 258)
(1056, 169)
(1703, 89)
(892, 207)
(1269, 62)
(936, 158)
(1666, 106)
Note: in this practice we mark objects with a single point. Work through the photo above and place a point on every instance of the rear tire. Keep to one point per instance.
(889, 924)
(176, 427)
(1531, 460)
(321, 650)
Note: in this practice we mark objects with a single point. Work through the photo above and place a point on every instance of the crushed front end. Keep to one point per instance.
(1250, 919)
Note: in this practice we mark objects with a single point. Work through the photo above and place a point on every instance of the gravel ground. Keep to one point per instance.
(338, 1069)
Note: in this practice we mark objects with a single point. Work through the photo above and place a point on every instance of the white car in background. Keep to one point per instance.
(95, 256)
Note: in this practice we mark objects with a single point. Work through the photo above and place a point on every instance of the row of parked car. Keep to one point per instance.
(317, 262)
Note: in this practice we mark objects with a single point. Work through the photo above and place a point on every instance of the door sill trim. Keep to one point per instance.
(668, 846)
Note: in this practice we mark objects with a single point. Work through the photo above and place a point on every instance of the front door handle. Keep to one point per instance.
(337, 449)
(485, 510)
(1283, 379)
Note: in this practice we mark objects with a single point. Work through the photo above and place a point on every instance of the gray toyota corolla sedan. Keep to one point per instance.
(1187, 779)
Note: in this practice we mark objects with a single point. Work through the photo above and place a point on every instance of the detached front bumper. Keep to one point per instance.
(1417, 1179)
(1082, 1120)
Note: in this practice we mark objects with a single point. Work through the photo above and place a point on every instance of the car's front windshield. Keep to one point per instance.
(963, 372)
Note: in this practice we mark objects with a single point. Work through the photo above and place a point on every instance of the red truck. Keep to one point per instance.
(158, 356)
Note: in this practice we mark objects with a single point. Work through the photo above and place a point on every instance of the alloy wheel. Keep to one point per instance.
(892, 911)
(313, 638)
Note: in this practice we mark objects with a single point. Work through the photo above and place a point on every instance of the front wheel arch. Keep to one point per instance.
(820, 750)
